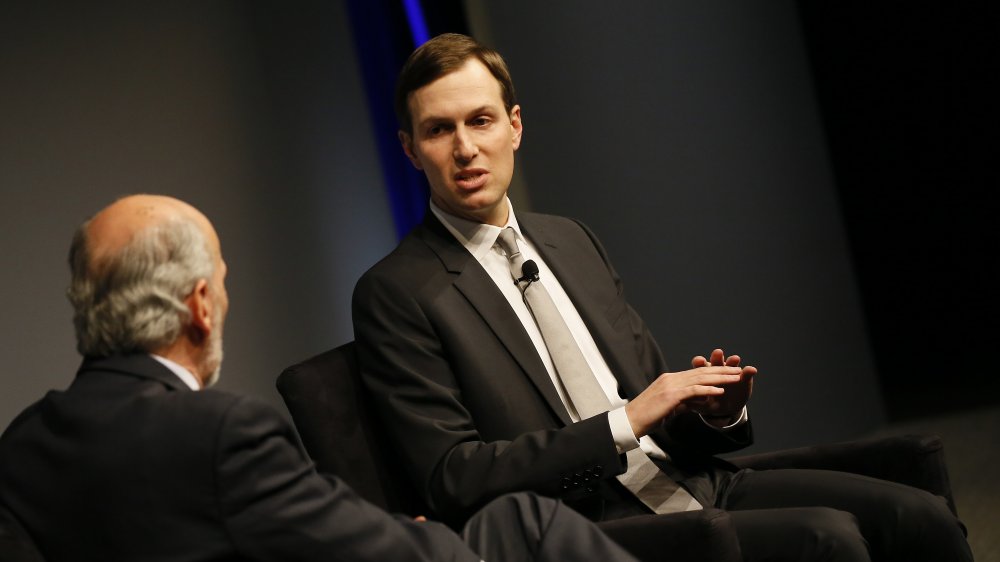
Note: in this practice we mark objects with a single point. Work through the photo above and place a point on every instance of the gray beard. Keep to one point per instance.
(213, 361)
(213, 378)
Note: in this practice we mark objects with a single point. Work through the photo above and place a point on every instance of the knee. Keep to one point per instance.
(925, 527)
(831, 534)
(922, 510)
(519, 502)
(529, 508)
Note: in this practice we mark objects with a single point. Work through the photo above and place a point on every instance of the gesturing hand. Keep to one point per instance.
(670, 392)
(736, 394)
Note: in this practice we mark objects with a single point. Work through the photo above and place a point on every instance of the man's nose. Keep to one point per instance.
(465, 147)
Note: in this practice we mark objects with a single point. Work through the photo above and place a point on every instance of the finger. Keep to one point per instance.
(705, 376)
(698, 398)
(697, 402)
(713, 379)
(699, 361)
(706, 391)
(701, 375)
(718, 358)
(733, 361)
(713, 370)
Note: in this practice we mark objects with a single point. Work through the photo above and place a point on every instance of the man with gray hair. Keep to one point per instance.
(129, 464)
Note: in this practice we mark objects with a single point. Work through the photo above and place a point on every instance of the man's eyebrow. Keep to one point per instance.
(486, 108)
(483, 109)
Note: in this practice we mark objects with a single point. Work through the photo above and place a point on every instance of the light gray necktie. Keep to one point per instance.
(643, 478)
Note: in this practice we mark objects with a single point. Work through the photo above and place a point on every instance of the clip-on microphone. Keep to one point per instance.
(529, 273)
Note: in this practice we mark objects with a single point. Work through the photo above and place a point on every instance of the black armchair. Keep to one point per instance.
(332, 413)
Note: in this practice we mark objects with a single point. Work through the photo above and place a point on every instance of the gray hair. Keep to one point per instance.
(133, 300)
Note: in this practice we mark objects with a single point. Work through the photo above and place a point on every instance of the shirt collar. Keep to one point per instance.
(478, 238)
(182, 373)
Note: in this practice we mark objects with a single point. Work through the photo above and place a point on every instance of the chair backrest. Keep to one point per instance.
(333, 416)
(16, 544)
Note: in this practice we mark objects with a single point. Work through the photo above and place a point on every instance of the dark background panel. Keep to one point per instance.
(801, 183)
(909, 102)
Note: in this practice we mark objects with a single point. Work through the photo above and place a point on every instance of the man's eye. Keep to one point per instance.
(480, 122)
(437, 130)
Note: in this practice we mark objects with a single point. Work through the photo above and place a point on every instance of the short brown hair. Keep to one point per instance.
(439, 56)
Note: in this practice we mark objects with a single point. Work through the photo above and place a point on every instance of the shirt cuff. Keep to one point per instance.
(742, 419)
(621, 431)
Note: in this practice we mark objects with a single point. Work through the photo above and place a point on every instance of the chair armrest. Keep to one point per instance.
(915, 460)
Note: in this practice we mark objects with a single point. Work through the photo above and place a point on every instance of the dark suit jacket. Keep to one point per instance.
(473, 410)
(129, 464)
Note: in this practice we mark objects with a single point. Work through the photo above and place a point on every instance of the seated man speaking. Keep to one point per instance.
(503, 355)
(136, 461)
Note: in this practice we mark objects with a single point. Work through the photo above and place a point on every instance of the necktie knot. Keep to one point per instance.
(508, 241)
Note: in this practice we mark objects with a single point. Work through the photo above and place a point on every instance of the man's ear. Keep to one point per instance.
(406, 139)
(516, 125)
(200, 306)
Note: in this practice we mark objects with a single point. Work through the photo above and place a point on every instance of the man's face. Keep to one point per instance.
(464, 141)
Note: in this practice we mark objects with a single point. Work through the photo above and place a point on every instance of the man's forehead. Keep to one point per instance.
(467, 89)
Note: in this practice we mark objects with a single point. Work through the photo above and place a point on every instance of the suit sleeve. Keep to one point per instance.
(277, 507)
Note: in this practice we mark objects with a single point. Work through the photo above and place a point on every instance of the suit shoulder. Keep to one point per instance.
(212, 407)
(554, 222)
(560, 229)
(22, 417)
(212, 421)
(545, 218)
(422, 261)
(412, 251)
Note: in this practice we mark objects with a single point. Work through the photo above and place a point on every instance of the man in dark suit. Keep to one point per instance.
(464, 374)
(135, 461)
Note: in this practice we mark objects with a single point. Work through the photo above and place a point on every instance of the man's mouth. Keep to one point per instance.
(471, 179)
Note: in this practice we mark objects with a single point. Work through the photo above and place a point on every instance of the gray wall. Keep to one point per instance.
(102, 99)
(685, 134)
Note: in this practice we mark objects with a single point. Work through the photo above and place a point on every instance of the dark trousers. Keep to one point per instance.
(793, 514)
(525, 526)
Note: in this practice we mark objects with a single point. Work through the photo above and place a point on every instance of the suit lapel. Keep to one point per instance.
(478, 288)
(595, 306)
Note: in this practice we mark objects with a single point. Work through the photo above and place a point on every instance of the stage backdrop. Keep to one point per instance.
(685, 134)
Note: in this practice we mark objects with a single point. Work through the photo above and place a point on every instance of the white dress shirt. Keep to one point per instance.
(186, 376)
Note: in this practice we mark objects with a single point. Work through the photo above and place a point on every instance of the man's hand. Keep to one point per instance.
(729, 404)
(672, 392)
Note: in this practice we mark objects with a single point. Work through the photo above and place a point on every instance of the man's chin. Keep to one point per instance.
(483, 210)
